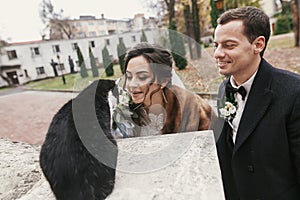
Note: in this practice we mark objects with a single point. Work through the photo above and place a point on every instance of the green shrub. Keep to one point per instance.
(143, 37)
(282, 25)
(107, 62)
(121, 49)
(83, 72)
(177, 46)
(93, 63)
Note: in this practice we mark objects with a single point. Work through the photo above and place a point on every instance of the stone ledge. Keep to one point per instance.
(174, 166)
(182, 166)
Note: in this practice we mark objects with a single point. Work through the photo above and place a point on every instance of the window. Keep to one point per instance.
(91, 23)
(35, 51)
(40, 70)
(102, 33)
(74, 46)
(56, 48)
(92, 44)
(133, 38)
(61, 66)
(81, 34)
(107, 42)
(12, 54)
(101, 23)
(26, 73)
(92, 34)
(78, 24)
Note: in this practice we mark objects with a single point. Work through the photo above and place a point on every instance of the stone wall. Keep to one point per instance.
(174, 166)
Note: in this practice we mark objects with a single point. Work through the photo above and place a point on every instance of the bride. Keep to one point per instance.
(150, 104)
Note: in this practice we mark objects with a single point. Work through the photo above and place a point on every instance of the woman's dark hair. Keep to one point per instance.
(160, 60)
(256, 22)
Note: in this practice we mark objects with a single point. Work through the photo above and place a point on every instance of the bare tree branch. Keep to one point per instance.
(54, 20)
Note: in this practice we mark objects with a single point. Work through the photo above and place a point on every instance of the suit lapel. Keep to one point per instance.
(259, 99)
(218, 125)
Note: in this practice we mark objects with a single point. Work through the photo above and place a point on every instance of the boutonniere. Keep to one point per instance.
(228, 108)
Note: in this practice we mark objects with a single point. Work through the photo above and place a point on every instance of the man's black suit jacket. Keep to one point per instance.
(265, 160)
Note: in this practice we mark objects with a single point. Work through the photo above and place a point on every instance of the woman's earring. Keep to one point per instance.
(163, 94)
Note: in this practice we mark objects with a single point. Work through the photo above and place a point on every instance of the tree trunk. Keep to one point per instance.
(187, 18)
(170, 4)
(196, 27)
(297, 43)
(6, 79)
(65, 27)
(296, 25)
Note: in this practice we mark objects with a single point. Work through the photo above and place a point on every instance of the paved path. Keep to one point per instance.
(25, 115)
(11, 90)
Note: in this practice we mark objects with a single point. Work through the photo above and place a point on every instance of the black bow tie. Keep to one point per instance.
(231, 90)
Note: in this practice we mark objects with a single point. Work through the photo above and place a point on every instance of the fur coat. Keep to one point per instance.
(186, 111)
(182, 111)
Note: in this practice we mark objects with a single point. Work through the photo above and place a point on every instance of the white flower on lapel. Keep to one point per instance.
(228, 112)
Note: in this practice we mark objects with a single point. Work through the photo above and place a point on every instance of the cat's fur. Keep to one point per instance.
(79, 154)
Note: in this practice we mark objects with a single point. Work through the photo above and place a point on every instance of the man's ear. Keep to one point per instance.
(259, 44)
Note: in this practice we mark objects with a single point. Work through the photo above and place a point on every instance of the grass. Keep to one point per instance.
(2, 89)
(74, 82)
(281, 41)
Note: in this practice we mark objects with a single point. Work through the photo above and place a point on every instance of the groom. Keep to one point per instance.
(259, 144)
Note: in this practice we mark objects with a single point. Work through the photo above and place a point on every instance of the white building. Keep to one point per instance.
(29, 61)
(271, 7)
(90, 26)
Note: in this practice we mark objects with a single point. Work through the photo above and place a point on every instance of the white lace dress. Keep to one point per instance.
(155, 126)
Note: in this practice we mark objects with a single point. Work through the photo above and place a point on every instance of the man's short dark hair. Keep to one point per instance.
(256, 22)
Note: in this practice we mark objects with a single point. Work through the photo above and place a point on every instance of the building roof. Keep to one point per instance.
(26, 42)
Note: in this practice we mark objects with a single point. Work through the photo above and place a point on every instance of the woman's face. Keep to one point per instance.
(139, 79)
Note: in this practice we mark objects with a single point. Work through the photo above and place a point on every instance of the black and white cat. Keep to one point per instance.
(79, 154)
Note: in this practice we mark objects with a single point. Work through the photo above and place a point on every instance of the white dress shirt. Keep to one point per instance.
(240, 103)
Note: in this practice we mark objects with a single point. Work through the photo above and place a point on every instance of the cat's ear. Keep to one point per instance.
(117, 81)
